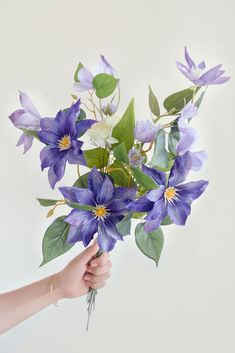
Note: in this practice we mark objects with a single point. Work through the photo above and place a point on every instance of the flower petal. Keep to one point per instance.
(157, 175)
(178, 211)
(180, 169)
(140, 205)
(111, 230)
(48, 137)
(74, 234)
(155, 195)
(191, 191)
(28, 105)
(59, 166)
(95, 181)
(83, 125)
(88, 230)
(106, 192)
(48, 156)
(188, 59)
(78, 217)
(105, 242)
(155, 217)
(198, 159)
(80, 195)
(25, 140)
(52, 177)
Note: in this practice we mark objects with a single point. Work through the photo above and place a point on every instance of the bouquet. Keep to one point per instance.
(134, 170)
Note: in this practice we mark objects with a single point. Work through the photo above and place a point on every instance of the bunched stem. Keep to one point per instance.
(91, 296)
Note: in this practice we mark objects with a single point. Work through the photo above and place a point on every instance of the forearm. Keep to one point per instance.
(18, 305)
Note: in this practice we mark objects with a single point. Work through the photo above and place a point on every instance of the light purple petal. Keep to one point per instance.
(145, 131)
(188, 112)
(155, 217)
(188, 138)
(25, 140)
(198, 159)
(85, 80)
(28, 105)
(52, 177)
(188, 59)
(25, 120)
(74, 234)
(211, 74)
(140, 205)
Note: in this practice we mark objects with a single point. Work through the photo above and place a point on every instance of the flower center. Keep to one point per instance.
(64, 143)
(170, 193)
(197, 72)
(100, 211)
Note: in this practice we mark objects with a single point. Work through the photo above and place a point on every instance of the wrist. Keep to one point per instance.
(56, 288)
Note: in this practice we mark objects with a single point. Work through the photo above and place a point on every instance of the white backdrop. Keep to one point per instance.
(187, 304)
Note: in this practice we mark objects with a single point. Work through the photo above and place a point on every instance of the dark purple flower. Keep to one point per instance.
(108, 208)
(27, 118)
(145, 131)
(172, 198)
(198, 74)
(61, 134)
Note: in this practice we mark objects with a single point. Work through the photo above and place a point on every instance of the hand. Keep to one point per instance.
(81, 273)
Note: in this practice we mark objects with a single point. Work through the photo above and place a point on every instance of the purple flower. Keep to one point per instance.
(109, 109)
(145, 131)
(27, 118)
(60, 134)
(189, 137)
(198, 74)
(85, 77)
(108, 208)
(135, 158)
(172, 198)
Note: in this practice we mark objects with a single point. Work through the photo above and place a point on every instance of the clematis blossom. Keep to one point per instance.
(145, 131)
(189, 137)
(85, 77)
(171, 198)
(27, 118)
(198, 73)
(108, 208)
(60, 134)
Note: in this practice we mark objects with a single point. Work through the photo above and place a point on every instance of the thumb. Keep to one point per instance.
(89, 252)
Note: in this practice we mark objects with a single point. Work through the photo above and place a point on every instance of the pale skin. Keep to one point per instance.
(83, 272)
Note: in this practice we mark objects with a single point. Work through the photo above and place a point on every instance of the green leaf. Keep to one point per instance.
(104, 85)
(178, 100)
(166, 221)
(82, 115)
(173, 140)
(124, 130)
(160, 155)
(143, 179)
(120, 175)
(78, 206)
(82, 181)
(54, 241)
(120, 153)
(150, 244)
(153, 103)
(80, 66)
(124, 226)
(96, 157)
(31, 133)
(47, 202)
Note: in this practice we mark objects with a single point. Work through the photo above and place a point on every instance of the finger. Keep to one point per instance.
(100, 261)
(96, 286)
(96, 279)
(89, 252)
(101, 270)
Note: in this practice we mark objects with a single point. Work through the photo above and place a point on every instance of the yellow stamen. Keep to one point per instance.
(64, 143)
(100, 211)
(170, 193)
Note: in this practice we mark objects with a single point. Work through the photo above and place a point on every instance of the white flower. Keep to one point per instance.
(101, 132)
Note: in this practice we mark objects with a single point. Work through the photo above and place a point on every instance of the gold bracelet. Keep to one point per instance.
(56, 303)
